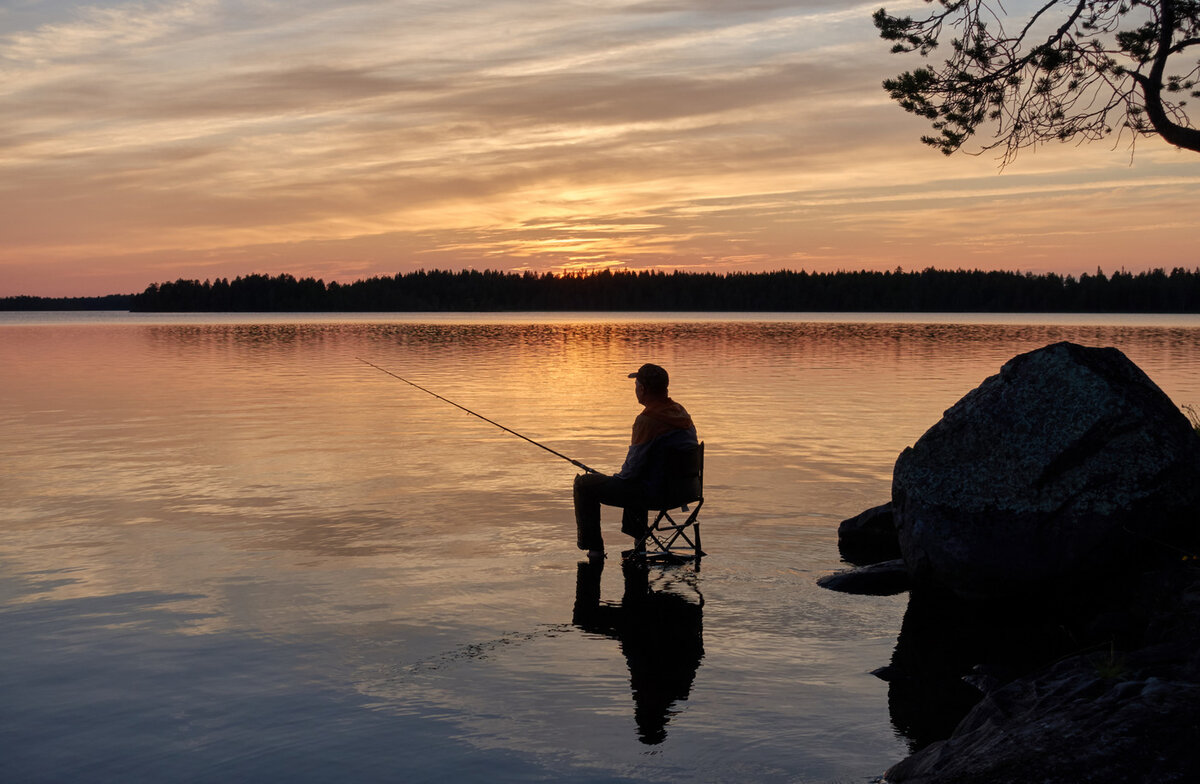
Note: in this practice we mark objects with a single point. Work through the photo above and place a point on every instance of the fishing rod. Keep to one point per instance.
(481, 416)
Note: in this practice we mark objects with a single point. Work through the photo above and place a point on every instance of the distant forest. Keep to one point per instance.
(930, 290)
(107, 302)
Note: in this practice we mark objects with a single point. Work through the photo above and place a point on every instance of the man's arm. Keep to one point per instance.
(635, 461)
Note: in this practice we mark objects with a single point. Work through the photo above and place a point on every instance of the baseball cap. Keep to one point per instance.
(652, 376)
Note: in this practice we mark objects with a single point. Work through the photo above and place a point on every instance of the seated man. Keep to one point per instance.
(662, 425)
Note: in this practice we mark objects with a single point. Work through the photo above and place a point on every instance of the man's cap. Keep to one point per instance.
(651, 376)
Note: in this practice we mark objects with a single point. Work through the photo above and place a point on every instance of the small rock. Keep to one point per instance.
(881, 579)
(869, 537)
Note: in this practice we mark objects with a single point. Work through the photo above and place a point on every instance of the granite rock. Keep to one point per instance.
(1065, 465)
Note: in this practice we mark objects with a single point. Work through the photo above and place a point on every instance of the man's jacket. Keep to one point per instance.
(663, 425)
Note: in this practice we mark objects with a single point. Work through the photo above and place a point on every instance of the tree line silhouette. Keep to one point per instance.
(106, 302)
(930, 290)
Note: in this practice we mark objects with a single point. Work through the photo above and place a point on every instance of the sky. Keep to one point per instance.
(143, 142)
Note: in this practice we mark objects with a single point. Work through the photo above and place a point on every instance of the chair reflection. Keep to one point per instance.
(659, 632)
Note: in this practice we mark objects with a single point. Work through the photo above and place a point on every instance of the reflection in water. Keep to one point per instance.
(949, 652)
(313, 522)
(660, 635)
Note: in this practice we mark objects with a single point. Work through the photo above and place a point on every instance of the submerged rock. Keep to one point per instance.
(1113, 698)
(1075, 727)
(881, 579)
(950, 652)
(1106, 715)
(1063, 465)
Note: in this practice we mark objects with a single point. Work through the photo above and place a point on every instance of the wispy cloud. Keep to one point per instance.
(149, 140)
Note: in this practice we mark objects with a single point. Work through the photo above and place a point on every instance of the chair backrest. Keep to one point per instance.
(683, 472)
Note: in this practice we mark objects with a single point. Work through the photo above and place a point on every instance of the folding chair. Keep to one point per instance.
(667, 540)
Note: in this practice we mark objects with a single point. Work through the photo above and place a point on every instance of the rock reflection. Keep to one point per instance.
(950, 653)
(659, 632)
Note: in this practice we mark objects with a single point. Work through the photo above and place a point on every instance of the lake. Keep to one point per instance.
(232, 551)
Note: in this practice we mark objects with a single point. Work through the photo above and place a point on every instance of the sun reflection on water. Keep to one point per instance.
(234, 482)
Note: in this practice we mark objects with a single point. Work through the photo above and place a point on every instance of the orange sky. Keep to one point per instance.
(150, 141)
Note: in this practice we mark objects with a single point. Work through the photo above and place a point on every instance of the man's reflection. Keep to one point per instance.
(660, 635)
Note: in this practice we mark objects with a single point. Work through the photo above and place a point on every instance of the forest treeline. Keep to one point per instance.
(106, 302)
(930, 290)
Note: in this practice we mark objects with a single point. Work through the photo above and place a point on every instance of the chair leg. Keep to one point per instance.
(695, 521)
(652, 534)
(665, 538)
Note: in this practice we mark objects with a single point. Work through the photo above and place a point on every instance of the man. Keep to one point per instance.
(662, 425)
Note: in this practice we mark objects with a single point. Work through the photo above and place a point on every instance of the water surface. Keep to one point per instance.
(230, 549)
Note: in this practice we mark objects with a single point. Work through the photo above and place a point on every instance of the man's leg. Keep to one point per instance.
(635, 521)
(587, 493)
(592, 490)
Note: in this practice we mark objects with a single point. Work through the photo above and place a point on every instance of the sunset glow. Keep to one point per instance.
(149, 141)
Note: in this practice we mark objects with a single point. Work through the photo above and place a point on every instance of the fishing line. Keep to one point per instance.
(575, 463)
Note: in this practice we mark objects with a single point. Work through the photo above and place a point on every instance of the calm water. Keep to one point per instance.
(231, 551)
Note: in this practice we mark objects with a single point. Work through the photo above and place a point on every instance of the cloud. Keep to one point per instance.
(387, 134)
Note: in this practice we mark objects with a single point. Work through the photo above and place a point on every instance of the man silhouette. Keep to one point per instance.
(662, 425)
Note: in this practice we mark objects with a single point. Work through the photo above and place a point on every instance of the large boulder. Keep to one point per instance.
(1063, 465)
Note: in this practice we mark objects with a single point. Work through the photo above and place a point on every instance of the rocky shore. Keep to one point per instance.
(1047, 530)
